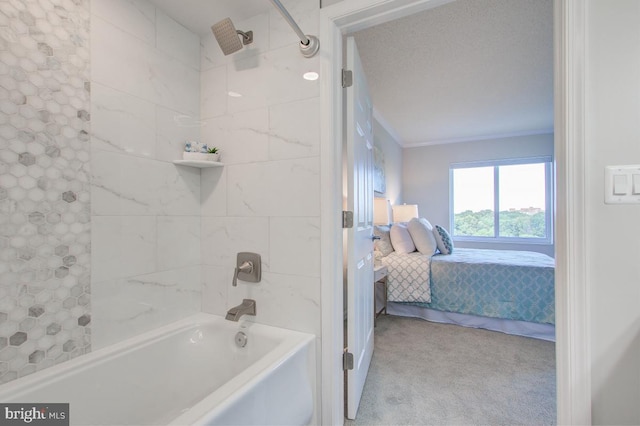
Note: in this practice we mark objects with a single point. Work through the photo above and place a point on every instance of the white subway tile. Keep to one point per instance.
(105, 183)
(125, 63)
(294, 245)
(173, 84)
(210, 54)
(126, 307)
(136, 186)
(249, 80)
(122, 123)
(136, 17)
(173, 130)
(216, 281)
(288, 301)
(177, 41)
(122, 246)
(178, 242)
(163, 188)
(294, 129)
(213, 92)
(242, 137)
(120, 60)
(271, 78)
(213, 191)
(276, 188)
(182, 291)
(224, 237)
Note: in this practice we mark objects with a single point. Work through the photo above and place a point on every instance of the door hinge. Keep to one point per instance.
(347, 78)
(347, 360)
(347, 219)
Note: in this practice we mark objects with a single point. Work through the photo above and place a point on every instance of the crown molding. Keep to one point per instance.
(478, 138)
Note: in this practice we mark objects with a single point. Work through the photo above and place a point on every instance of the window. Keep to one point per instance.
(507, 200)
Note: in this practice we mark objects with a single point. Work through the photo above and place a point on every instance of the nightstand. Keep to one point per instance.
(380, 273)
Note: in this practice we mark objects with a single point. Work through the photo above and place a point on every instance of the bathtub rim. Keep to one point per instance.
(292, 341)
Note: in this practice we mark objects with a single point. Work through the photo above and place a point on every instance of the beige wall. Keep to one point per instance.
(426, 176)
(613, 236)
(392, 161)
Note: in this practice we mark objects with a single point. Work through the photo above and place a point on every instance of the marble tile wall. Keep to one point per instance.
(145, 210)
(45, 314)
(163, 237)
(267, 197)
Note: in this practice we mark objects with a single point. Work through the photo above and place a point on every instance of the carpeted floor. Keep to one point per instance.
(424, 373)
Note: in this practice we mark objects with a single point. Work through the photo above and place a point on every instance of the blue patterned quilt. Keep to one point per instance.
(516, 285)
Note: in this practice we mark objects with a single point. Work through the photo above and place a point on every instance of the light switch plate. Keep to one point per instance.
(612, 194)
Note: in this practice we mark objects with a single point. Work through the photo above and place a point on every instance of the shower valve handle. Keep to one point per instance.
(247, 267)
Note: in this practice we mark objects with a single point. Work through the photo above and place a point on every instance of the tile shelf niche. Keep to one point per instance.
(198, 163)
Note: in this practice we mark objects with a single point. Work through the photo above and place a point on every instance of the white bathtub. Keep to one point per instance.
(189, 372)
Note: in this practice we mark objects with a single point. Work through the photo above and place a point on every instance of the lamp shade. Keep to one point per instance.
(381, 210)
(404, 212)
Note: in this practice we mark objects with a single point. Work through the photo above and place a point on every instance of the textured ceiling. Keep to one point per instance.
(467, 70)
(470, 69)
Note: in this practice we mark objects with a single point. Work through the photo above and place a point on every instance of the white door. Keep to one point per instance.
(360, 244)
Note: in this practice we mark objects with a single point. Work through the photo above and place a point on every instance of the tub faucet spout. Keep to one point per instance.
(247, 307)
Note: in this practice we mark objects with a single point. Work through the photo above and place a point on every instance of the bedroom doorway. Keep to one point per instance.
(573, 362)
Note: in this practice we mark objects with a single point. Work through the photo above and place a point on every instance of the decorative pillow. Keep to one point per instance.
(401, 239)
(445, 244)
(421, 233)
(383, 245)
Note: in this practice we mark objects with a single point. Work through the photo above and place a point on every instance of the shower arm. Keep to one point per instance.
(247, 37)
(309, 44)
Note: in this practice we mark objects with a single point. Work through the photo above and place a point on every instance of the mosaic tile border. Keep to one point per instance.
(45, 240)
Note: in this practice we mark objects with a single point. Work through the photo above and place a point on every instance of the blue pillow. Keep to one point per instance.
(443, 239)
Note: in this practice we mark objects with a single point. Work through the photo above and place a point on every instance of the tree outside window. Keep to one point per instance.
(506, 200)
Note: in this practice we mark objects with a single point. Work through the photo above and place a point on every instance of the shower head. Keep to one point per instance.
(227, 36)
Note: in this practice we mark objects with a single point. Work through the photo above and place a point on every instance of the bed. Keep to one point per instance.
(509, 291)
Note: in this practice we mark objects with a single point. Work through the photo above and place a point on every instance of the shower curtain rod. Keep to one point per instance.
(309, 44)
(285, 14)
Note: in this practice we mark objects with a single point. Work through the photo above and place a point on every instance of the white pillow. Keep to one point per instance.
(400, 239)
(383, 245)
(421, 233)
(425, 222)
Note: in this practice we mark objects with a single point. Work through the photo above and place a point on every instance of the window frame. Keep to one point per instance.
(547, 160)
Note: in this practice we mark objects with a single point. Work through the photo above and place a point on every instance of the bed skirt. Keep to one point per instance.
(518, 328)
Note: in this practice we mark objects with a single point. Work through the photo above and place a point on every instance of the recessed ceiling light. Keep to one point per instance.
(234, 94)
(311, 76)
